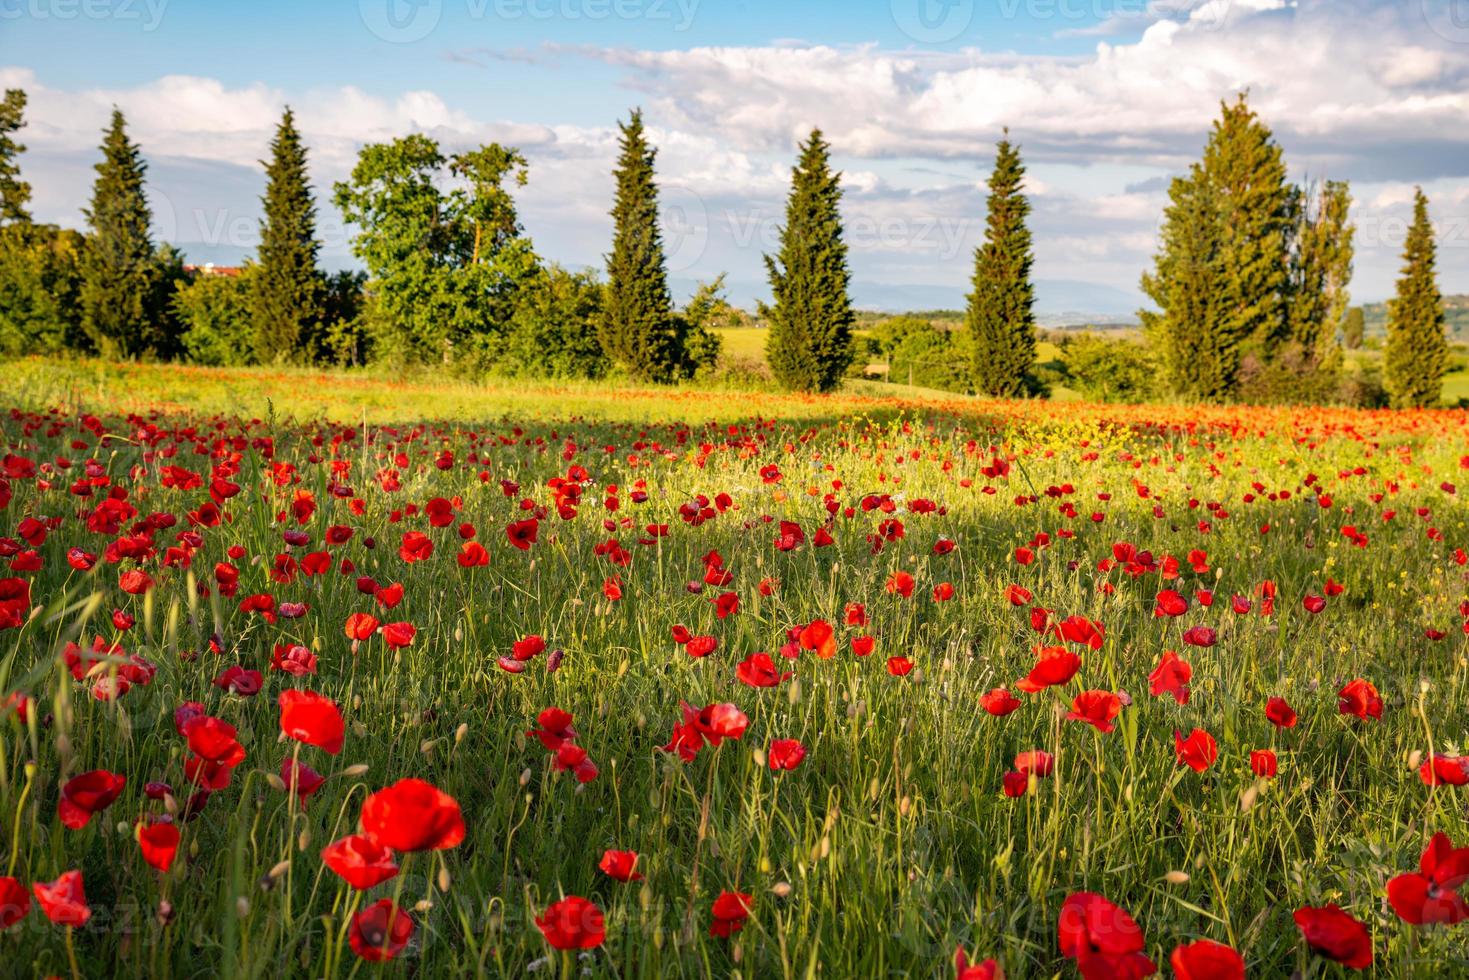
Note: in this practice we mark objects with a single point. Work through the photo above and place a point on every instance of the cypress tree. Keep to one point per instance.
(286, 287)
(1417, 351)
(121, 275)
(1247, 170)
(810, 339)
(638, 329)
(1000, 319)
(1221, 277)
(1199, 356)
(15, 193)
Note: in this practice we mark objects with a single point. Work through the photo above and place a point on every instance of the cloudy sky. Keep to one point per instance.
(1108, 98)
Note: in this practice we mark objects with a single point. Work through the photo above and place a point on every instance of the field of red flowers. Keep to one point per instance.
(973, 688)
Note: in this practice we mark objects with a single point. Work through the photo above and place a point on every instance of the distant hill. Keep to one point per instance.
(1456, 311)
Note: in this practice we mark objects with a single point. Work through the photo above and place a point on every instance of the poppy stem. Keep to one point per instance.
(71, 954)
(566, 964)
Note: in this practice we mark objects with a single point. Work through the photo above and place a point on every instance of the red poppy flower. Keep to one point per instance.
(64, 901)
(759, 670)
(1036, 761)
(1280, 713)
(1198, 751)
(413, 815)
(899, 666)
(901, 584)
(1082, 631)
(1171, 676)
(88, 794)
(213, 740)
(819, 636)
(964, 970)
(1102, 938)
(1359, 698)
(527, 647)
(300, 778)
(555, 728)
(360, 626)
(572, 923)
(574, 758)
(1204, 959)
(1199, 636)
(239, 681)
(159, 843)
(717, 722)
(380, 931)
(1313, 604)
(1336, 935)
(1015, 783)
(1096, 708)
(1169, 603)
(1431, 896)
(1018, 596)
(701, 646)
(726, 605)
(620, 865)
(1263, 763)
(360, 861)
(312, 718)
(785, 753)
(15, 902)
(1053, 667)
(999, 702)
(729, 912)
(399, 635)
(472, 554)
(1445, 770)
(522, 534)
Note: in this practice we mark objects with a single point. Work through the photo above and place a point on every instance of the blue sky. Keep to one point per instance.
(1108, 99)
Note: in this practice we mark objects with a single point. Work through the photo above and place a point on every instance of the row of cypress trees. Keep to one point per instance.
(809, 345)
(1250, 278)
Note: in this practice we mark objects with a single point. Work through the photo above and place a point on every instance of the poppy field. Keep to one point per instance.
(672, 684)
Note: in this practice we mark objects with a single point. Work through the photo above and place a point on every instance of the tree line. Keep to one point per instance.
(1250, 281)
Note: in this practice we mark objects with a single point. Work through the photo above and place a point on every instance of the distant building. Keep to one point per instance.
(210, 269)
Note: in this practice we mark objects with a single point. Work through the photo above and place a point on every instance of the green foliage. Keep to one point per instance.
(286, 295)
(1000, 319)
(15, 193)
(444, 265)
(810, 340)
(919, 353)
(1353, 327)
(40, 283)
(1417, 352)
(638, 329)
(215, 314)
(706, 311)
(1109, 370)
(553, 331)
(126, 281)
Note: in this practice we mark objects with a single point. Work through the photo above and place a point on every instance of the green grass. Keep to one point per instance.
(892, 844)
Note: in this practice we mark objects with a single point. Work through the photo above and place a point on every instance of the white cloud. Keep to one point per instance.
(1354, 88)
